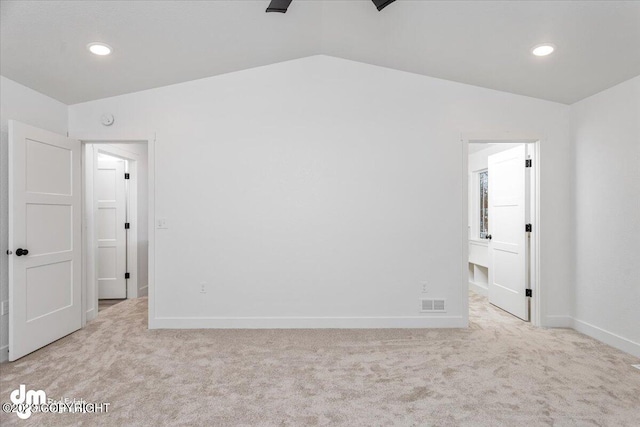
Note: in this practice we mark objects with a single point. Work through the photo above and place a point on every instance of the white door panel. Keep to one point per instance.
(106, 221)
(44, 219)
(43, 239)
(49, 168)
(110, 217)
(508, 204)
(39, 282)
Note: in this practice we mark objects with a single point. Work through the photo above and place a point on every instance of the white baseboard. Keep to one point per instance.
(558, 321)
(595, 332)
(306, 322)
(143, 291)
(478, 288)
(91, 314)
(607, 337)
(4, 353)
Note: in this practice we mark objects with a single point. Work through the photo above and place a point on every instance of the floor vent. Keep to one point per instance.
(432, 305)
(636, 366)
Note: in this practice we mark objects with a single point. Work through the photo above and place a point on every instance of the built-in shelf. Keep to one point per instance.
(478, 265)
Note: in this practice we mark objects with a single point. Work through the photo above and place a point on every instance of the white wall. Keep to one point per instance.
(20, 103)
(322, 192)
(606, 134)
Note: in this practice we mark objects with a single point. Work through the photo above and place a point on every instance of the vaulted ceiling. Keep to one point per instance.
(156, 43)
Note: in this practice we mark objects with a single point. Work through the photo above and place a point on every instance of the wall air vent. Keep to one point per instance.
(432, 306)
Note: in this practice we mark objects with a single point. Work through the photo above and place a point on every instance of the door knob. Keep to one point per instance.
(488, 237)
(20, 252)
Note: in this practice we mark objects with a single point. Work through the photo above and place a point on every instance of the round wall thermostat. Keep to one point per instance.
(107, 119)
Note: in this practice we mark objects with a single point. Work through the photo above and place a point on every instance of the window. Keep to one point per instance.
(483, 180)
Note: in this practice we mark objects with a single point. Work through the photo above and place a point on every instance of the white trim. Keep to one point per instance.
(151, 194)
(108, 137)
(132, 218)
(607, 337)
(309, 322)
(595, 332)
(497, 137)
(505, 137)
(4, 353)
(464, 291)
(478, 288)
(143, 291)
(87, 230)
(534, 249)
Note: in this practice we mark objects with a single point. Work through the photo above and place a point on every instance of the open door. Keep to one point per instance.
(111, 234)
(508, 249)
(44, 238)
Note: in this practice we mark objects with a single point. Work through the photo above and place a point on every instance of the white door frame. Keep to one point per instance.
(534, 259)
(88, 228)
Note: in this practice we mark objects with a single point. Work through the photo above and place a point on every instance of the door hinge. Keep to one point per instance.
(126, 275)
(126, 225)
(528, 293)
(528, 228)
(527, 163)
(126, 175)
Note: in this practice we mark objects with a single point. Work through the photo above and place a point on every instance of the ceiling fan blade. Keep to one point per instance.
(281, 6)
(381, 4)
(278, 6)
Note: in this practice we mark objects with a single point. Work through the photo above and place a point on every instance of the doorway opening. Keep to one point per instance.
(116, 223)
(501, 228)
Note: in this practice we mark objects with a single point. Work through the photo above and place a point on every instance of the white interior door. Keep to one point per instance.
(44, 238)
(508, 249)
(111, 235)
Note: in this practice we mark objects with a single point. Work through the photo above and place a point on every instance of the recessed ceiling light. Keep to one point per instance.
(100, 49)
(543, 49)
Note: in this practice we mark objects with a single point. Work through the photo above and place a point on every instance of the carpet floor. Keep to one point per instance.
(499, 372)
(106, 303)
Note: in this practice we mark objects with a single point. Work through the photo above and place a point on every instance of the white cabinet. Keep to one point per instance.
(478, 253)
(478, 266)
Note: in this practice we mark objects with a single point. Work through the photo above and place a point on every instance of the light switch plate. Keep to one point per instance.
(161, 223)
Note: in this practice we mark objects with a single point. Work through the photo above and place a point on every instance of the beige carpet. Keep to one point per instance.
(501, 371)
(106, 303)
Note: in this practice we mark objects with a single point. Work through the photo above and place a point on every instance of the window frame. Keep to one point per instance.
(481, 224)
